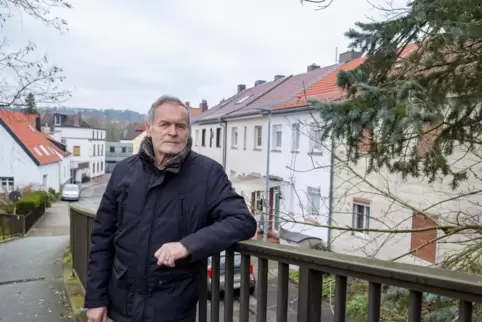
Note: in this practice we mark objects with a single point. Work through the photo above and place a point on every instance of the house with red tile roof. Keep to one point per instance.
(274, 123)
(86, 143)
(238, 134)
(28, 156)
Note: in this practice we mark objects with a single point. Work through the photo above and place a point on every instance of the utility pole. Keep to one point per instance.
(266, 197)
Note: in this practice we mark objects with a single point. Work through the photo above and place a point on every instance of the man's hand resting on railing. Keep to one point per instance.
(98, 314)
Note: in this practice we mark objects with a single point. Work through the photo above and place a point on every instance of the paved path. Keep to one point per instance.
(31, 282)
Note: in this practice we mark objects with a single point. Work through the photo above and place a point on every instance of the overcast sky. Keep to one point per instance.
(123, 54)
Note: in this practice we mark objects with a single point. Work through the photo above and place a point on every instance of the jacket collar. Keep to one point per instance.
(173, 163)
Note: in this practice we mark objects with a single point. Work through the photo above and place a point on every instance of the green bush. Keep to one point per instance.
(30, 201)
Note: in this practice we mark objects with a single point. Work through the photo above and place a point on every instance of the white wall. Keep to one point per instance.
(389, 214)
(302, 169)
(245, 158)
(88, 140)
(53, 175)
(16, 163)
(213, 152)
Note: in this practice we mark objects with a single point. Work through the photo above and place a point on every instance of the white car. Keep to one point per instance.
(71, 192)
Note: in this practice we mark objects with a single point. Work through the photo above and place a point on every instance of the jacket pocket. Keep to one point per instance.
(119, 288)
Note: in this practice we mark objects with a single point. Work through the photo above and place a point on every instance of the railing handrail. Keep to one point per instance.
(460, 285)
(454, 284)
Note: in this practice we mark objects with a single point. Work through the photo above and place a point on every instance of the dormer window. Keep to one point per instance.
(57, 120)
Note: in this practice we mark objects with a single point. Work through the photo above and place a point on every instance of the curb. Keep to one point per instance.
(73, 289)
(9, 239)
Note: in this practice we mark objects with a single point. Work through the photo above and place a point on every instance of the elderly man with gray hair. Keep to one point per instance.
(164, 211)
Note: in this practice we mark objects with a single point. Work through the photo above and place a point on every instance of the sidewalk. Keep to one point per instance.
(31, 273)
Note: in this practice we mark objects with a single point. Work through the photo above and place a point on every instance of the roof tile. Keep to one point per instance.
(34, 141)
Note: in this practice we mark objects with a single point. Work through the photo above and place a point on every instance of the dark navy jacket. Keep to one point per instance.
(143, 208)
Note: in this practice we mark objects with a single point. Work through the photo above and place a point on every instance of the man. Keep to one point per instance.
(163, 212)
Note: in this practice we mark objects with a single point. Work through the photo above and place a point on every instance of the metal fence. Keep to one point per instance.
(19, 225)
(313, 264)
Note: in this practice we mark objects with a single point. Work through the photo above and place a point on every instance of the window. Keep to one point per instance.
(361, 215)
(57, 120)
(426, 141)
(37, 151)
(112, 149)
(258, 137)
(218, 137)
(94, 149)
(44, 182)
(315, 137)
(93, 134)
(245, 137)
(44, 150)
(277, 136)
(101, 150)
(243, 99)
(423, 243)
(365, 141)
(124, 149)
(196, 137)
(314, 201)
(7, 184)
(211, 135)
(234, 137)
(76, 150)
(203, 137)
(295, 137)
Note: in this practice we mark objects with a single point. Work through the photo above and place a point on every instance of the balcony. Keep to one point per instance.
(466, 289)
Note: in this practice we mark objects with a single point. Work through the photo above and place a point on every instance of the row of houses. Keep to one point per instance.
(48, 151)
(271, 128)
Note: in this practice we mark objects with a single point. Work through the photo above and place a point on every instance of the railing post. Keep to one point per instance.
(229, 286)
(309, 295)
(244, 297)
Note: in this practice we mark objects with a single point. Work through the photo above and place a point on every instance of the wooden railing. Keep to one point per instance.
(19, 225)
(466, 288)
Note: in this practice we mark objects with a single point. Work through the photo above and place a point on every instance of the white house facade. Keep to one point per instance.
(88, 145)
(27, 158)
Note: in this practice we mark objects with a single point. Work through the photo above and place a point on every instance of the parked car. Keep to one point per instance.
(237, 274)
(71, 192)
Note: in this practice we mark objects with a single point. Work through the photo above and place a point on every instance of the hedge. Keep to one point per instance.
(30, 201)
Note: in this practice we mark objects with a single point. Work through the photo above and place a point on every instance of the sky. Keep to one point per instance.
(124, 54)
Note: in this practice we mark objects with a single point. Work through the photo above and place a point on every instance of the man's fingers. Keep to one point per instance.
(105, 318)
(158, 253)
(160, 258)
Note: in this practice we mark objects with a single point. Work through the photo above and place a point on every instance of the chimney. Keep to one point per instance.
(348, 56)
(259, 82)
(278, 77)
(204, 106)
(188, 106)
(241, 88)
(38, 127)
(312, 67)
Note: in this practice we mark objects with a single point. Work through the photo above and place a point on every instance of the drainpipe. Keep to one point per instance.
(330, 195)
(266, 214)
(224, 125)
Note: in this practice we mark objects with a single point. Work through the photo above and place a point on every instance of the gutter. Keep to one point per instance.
(330, 194)
(224, 125)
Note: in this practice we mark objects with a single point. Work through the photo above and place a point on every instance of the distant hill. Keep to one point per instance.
(106, 115)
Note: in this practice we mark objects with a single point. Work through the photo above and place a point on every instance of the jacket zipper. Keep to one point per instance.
(146, 261)
(183, 230)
